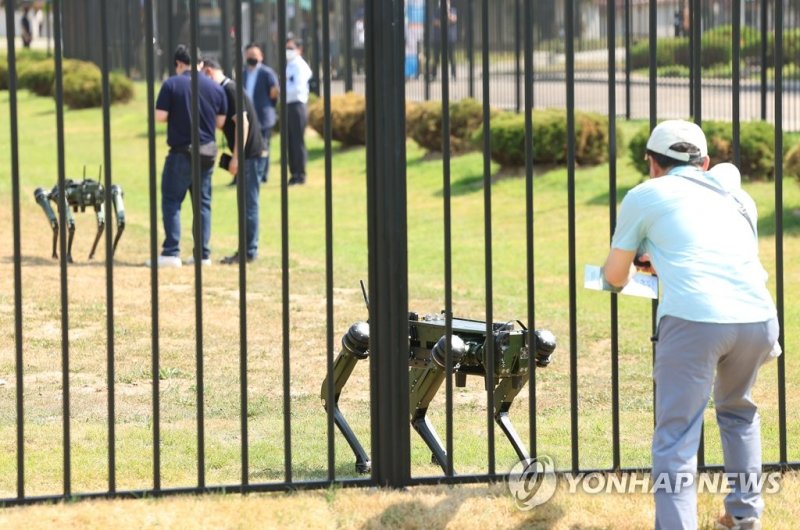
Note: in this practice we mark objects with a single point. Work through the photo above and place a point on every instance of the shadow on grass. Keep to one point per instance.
(306, 472)
(791, 223)
(602, 199)
(473, 182)
(420, 515)
(39, 261)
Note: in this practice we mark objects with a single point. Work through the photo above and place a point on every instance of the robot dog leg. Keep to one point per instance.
(355, 347)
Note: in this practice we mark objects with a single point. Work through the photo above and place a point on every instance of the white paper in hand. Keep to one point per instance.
(644, 285)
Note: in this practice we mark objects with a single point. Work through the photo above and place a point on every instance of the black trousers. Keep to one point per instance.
(296, 127)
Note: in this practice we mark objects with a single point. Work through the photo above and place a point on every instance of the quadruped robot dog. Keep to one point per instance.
(513, 348)
(79, 195)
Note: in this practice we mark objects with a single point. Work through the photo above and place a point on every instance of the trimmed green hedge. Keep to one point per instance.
(791, 164)
(82, 80)
(756, 146)
(348, 118)
(424, 124)
(549, 138)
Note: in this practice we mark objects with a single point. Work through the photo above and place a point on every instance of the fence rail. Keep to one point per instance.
(521, 83)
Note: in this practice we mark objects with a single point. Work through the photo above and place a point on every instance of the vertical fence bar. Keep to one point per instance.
(348, 46)
(241, 182)
(62, 244)
(778, 96)
(194, 23)
(107, 205)
(736, 35)
(471, 46)
(697, 87)
(287, 420)
(315, 43)
(517, 55)
(697, 114)
(153, 199)
(387, 229)
(628, 28)
(17, 222)
(327, 137)
(252, 10)
(444, 21)
(487, 234)
(126, 45)
(224, 35)
(612, 216)
(529, 218)
(653, 86)
(764, 49)
(569, 33)
(426, 45)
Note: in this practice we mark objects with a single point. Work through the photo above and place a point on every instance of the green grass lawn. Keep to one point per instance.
(132, 333)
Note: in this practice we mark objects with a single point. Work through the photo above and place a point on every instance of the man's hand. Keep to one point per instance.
(642, 263)
(233, 166)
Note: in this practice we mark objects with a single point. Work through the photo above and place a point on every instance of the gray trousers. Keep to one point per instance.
(687, 355)
(296, 128)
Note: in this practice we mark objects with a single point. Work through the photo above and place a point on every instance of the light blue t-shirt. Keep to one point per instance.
(702, 247)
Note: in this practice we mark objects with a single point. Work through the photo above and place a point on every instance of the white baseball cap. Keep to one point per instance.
(671, 132)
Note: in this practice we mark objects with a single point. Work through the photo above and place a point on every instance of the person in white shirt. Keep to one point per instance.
(298, 75)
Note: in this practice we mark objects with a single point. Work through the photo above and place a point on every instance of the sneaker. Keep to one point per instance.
(234, 259)
(165, 261)
(190, 261)
(729, 522)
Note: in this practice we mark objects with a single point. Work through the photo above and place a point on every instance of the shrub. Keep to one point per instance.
(755, 147)
(424, 124)
(549, 138)
(121, 88)
(791, 47)
(37, 77)
(749, 42)
(669, 51)
(82, 87)
(348, 118)
(791, 165)
(636, 150)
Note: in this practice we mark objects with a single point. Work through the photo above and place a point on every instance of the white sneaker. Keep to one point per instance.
(190, 261)
(165, 261)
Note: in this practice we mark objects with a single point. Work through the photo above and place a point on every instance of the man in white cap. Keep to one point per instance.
(716, 314)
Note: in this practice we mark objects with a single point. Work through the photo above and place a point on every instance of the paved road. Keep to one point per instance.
(591, 93)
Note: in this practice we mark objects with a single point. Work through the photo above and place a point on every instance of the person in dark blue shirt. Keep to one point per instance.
(260, 82)
(174, 106)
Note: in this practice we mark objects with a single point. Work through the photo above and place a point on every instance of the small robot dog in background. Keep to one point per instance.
(79, 196)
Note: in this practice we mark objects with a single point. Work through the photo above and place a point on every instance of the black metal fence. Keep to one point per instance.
(346, 50)
(485, 45)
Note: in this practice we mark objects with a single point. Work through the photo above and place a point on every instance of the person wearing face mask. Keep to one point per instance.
(298, 74)
(262, 86)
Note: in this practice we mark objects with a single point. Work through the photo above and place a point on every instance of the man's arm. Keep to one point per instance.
(221, 120)
(234, 164)
(619, 267)
(162, 115)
